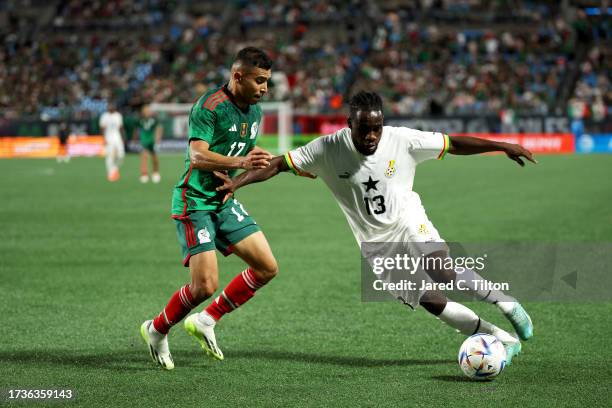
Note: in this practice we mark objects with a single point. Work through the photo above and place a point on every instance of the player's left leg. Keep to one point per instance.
(256, 252)
(466, 321)
(425, 239)
(109, 160)
(238, 233)
(476, 284)
(120, 154)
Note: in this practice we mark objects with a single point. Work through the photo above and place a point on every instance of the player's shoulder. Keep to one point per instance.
(337, 138)
(334, 144)
(402, 134)
(212, 100)
(329, 142)
(400, 131)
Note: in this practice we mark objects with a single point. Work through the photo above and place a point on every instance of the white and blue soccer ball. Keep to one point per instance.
(482, 357)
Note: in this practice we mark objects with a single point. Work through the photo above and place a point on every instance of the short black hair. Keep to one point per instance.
(365, 101)
(254, 57)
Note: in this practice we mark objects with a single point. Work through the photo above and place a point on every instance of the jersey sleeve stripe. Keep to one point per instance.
(218, 101)
(445, 148)
(210, 102)
(211, 99)
(290, 163)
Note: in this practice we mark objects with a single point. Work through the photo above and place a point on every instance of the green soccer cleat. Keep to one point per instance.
(157, 344)
(512, 350)
(520, 321)
(204, 334)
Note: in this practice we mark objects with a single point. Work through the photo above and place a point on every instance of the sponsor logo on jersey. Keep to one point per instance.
(254, 130)
(423, 229)
(233, 128)
(344, 175)
(390, 172)
(204, 236)
(243, 129)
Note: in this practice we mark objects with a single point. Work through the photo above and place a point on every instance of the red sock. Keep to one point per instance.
(237, 293)
(179, 306)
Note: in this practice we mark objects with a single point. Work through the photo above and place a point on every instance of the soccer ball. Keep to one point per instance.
(482, 357)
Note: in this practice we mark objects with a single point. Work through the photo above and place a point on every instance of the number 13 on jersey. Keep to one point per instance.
(377, 202)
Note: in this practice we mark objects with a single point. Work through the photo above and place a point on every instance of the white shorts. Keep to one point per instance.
(416, 236)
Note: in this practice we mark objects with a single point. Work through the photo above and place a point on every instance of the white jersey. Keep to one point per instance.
(111, 123)
(375, 192)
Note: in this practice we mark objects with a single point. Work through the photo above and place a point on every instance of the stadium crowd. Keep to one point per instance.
(84, 53)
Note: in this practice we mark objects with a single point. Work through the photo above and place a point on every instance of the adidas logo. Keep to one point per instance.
(233, 128)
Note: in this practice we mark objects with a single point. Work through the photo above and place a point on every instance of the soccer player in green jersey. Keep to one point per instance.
(150, 133)
(223, 129)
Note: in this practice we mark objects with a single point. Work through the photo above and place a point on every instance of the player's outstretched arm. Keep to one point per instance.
(230, 185)
(202, 158)
(464, 145)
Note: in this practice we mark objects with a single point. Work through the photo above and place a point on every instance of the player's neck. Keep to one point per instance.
(231, 88)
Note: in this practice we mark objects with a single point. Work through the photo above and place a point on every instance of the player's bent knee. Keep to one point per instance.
(266, 272)
(202, 290)
(433, 302)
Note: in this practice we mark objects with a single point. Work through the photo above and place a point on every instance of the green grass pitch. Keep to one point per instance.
(83, 262)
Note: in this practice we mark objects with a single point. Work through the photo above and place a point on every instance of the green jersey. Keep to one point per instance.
(229, 131)
(146, 128)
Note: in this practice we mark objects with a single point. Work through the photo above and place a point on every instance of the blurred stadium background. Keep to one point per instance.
(464, 66)
(84, 261)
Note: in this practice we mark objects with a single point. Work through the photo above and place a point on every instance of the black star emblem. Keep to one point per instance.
(370, 184)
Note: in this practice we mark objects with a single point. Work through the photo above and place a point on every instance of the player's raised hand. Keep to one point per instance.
(227, 186)
(256, 159)
(515, 152)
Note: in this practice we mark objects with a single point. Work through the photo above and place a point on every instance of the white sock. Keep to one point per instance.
(461, 318)
(506, 307)
(486, 295)
(206, 319)
(502, 335)
(153, 332)
(464, 320)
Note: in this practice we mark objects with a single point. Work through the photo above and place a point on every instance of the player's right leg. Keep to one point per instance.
(204, 283)
(113, 157)
(199, 255)
(466, 321)
(144, 173)
(109, 160)
(204, 278)
(470, 279)
(156, 177)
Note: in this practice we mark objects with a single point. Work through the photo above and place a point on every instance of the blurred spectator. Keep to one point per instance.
(136, 51)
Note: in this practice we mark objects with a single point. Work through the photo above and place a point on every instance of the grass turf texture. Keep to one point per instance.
(84, 262)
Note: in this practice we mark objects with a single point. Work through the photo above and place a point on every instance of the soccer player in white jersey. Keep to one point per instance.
(370, 169)
(111, 124)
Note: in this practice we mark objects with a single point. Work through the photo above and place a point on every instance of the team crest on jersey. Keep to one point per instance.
(254, 130)
(243, 129)
(204, 236)
(390, 172)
